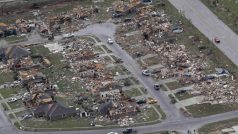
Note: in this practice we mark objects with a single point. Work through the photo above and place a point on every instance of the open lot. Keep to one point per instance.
(64, 123)
(226, 10)
(174, 85)
(216, 127)
(205, 109)
(6, 77)
(133, 92)
(8, 92)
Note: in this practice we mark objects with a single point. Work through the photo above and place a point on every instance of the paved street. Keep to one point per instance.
(210, 26)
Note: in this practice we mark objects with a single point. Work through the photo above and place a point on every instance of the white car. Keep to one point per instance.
(146, 72)
(69, 35)
(112, 133)
(12, 100)
(26, 116)
(109, 41)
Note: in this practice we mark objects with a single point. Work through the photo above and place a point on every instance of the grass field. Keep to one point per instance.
(184, 96)
(174, 85)
(6, 77)
(8, 92)
(15, 39)
(133, 92)
(199, 110)
(63, 123)
(226, 10)
(216, 126)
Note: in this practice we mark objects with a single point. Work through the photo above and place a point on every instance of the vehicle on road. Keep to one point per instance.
(12, 100)
(217, 40)
(110, 41)
(146, 72)
(129, 131)
(157, 86)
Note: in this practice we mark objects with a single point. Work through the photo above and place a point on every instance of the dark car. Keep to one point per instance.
(157, 86)
(142, 101)
(217, 40)
(127, 131)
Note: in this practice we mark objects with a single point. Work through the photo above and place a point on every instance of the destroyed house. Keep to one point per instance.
(104, 108)
(53, 111)
(13, 52)
(110, 90)
(36, 99)
(122, 109)
(119, 109)
(24, 63)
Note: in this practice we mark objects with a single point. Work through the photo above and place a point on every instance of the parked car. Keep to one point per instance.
(141, 101)
(146, 72)
(110, 41)
(26, 116)
(12, 100)
(69, 35)
(157, 86)
(151, 100)
(217, 40)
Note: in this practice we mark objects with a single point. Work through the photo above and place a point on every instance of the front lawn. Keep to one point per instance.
(133, 92)
(8, 92)
(199, 110)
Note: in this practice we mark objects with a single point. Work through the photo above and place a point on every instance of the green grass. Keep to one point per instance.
(161, 132)
(19, 114)
(216, 126)
(40, 49)
(227, 11)
(172, 99)
(144, 90)
(11, 116)
(15, 39)
(55, 59)
(119, 68)
(163, 115)
(62, 9)
(199, 110)
(8, 92)
(163, 88)
(17, 125)
(152, 61)
(147, 115)
(133, 92)
(98, 49)
(5, 107)
(184, 96)
(174, 85)
(15, 105)
(6, 77)
(88, 38)
(60, 124)
(106, 49)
